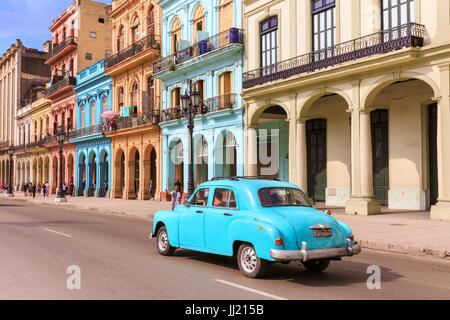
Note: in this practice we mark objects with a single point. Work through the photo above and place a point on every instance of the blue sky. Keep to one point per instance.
(29, 20)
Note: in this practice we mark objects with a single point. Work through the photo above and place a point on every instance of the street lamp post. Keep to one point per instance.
(9, 192)
(60, 137)
(190, 102)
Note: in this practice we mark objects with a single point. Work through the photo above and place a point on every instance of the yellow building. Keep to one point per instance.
(361, 90)
(136, 139)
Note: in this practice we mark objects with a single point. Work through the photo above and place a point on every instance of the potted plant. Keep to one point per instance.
(171, 65)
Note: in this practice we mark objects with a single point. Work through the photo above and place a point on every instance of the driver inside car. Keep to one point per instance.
(219, 199)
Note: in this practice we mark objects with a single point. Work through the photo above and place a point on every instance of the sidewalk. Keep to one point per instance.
(406, 232)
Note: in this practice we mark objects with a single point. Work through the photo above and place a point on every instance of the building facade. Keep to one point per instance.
(21, 70)
(93, 149)
(202, 45)
(362, 90)
(136, 97)
(80, 35)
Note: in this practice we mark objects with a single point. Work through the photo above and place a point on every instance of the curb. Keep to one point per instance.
(405, 249)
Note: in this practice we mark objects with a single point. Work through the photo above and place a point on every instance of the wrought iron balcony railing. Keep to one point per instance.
(58, 47)
(87, 131)
(215, 42)
(407, 35)
(4, 145)
(223, 102)
(149, 117)
(68, 81)
(152, 41)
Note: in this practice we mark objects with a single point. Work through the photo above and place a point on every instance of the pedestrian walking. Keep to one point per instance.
(25, 190)
(176, 197)
(150, 190)
(64, 188)
(44, 190)
(33, 190)
(105, 185)
(71, 186)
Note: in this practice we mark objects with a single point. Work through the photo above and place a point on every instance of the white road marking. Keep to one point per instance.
(60, 233)
(262, 293)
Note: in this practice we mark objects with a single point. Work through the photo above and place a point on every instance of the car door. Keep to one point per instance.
(192, 220)
(223, 210)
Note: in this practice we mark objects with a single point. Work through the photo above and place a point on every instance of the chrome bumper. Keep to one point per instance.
(304, 254)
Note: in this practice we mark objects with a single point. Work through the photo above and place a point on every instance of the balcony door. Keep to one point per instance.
(432, 152)
(316, 137)
(397, 13)
(269, 45)
(324, 28)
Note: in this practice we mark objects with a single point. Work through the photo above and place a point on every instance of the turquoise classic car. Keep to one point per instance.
(260, 221)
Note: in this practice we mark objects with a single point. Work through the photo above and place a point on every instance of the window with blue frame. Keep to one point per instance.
(269, 42)
(324, 24)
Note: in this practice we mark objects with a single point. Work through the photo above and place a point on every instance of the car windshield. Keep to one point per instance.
(282, 197)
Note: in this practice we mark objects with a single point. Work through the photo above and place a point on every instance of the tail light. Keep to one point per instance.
(328, 212)
(279, 242)
(352, 238)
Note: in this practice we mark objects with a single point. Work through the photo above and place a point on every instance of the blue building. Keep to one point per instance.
(202, 44)
(93, 149)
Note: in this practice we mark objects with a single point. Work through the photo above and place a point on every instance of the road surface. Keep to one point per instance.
(117, 260)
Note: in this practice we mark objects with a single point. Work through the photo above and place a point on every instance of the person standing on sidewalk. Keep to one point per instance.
(33, 190)
(176, 197)
(44, 190)
(150, 190)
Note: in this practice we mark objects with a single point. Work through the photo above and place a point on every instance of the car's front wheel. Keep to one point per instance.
(162, 242)
(249, 263)
(316, 265)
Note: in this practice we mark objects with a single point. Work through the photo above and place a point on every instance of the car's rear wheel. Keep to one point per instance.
(316, 265)
(162, 242)
(249, 263)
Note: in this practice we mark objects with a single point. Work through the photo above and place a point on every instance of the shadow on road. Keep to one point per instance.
(10, 205)
(339, 273)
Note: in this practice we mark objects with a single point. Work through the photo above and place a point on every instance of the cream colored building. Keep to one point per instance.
(361, 89)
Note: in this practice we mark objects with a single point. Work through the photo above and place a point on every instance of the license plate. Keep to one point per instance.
(323, 233)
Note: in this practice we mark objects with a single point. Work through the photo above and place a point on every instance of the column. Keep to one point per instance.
(100, 172)
(441, 211)
(79, 180)
(252, 149)
(88, 191)
(301, 156)
(362, 201)
(292, 150)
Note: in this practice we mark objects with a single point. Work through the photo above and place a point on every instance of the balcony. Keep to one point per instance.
(61, 84)
(150, 117)
(61, 49)
(404, 36)
(87, 131)
(224, 102)
(211, 44)
(144, 50)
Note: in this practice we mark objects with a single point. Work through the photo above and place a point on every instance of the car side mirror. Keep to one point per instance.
(186, 203)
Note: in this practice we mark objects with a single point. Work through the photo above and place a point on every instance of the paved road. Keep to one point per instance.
(118, 261)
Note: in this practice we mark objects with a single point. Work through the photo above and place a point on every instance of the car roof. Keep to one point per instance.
(247, 188)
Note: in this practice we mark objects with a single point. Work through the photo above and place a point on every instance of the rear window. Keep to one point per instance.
(283, 197)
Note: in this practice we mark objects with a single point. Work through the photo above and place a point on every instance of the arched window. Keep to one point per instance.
(225, 15)
(176, 33)
(135, 30)
(120, 97)
(104, 104)
(82, 116)
(176, 97)
(121, 39)
(92, 113)
(151, 21)
(134, 94)
(198, 21)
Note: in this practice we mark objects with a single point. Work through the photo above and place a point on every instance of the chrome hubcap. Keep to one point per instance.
(163, 241)
(248, 259)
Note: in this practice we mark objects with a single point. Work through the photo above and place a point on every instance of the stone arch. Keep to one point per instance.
(369, 95)
(304, 109)
(259, 109)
